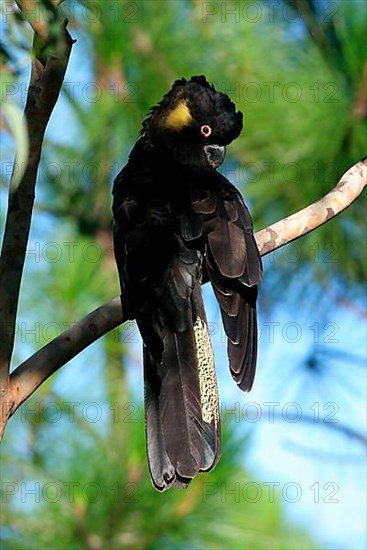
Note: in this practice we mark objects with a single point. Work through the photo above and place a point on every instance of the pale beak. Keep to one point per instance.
(215, 155)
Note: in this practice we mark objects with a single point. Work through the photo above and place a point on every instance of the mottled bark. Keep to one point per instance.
(349, 187)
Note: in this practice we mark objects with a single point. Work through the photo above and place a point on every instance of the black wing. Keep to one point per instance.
(220, 218)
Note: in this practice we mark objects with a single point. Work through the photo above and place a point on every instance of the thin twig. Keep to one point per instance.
(45, 84)
(343, 429)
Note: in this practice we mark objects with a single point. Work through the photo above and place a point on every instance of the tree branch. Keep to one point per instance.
(40, 366)
(47, 75)
(35, 370)
(346, 191)
(336, 426)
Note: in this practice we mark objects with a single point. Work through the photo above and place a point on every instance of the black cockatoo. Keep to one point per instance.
(179, 223)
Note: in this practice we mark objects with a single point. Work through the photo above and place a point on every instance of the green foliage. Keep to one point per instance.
(95, 493)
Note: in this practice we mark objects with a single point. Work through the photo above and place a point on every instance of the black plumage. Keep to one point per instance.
(178, 223)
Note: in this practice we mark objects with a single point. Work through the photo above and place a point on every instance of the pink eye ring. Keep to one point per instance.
(205, 130)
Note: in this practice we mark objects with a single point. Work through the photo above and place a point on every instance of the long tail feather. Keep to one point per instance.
(181, 403)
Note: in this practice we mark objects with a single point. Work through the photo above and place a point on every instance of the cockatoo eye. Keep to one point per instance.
(205, 130)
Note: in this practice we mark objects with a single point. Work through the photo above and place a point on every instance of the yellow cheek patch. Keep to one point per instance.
(179, 117)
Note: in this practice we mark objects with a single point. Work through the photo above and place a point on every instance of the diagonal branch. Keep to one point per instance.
(45, 84)
(349, 187)
(40, 366)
